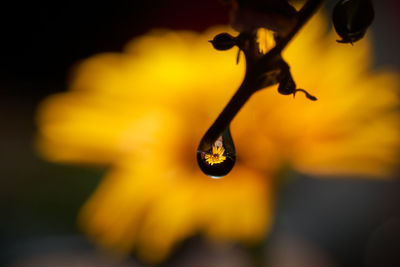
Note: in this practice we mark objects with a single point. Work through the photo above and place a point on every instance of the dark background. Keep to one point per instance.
(40, 42)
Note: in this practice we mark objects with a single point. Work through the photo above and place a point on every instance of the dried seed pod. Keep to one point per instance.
(223, 41)
(287, 86)
(351, 19)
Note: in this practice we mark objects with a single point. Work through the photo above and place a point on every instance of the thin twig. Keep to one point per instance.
(251, 80)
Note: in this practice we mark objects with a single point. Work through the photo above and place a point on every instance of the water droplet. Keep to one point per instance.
(217, 159)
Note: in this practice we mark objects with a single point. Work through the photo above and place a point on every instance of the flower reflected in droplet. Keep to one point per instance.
(217, 155)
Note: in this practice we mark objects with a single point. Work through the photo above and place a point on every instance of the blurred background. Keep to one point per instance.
(357, 225)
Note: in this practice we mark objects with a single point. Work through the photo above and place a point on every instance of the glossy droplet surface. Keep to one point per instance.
(217, 159)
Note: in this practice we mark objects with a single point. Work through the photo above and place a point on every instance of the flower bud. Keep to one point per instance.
(223, 41)
(351, 19)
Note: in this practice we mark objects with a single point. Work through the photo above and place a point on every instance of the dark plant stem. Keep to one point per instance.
(254, 68)
(228, 113)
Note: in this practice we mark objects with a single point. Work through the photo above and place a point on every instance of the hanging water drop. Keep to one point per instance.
(218, 158)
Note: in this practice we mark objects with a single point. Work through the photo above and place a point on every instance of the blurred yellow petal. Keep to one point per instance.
(100, 130)
(153, 208)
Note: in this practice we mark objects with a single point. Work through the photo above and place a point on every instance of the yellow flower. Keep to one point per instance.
(142, 113)
(217, 155)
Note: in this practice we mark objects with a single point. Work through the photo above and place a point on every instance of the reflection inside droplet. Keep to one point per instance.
(217, 160)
